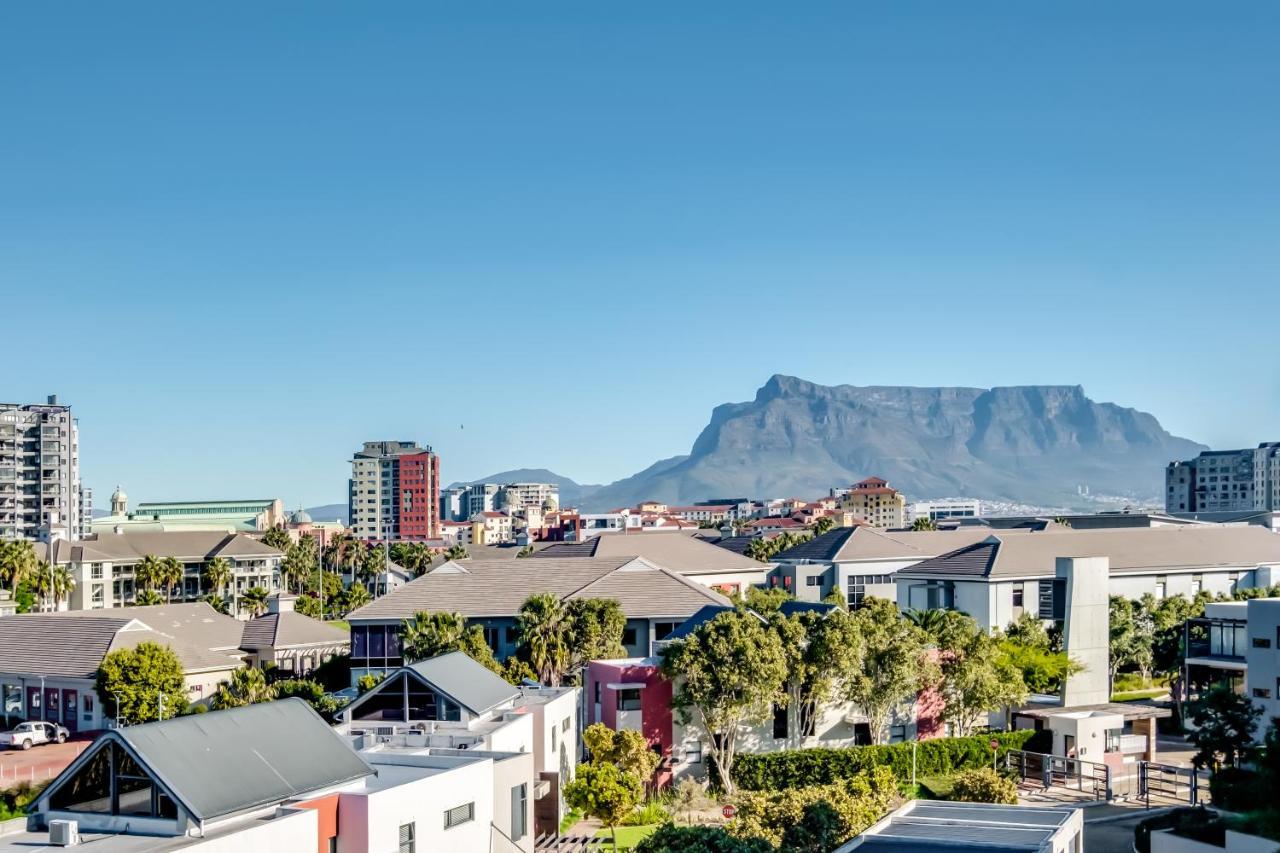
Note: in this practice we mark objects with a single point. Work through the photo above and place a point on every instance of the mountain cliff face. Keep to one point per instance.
(1032, 444)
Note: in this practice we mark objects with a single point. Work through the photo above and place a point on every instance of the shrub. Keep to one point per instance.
(805, 768)
(670, 838)
(1238, 790)
(983, 785)
(857, 803)
(14, 800)
(650, 813)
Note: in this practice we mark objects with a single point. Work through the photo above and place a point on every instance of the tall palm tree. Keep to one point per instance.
(924, 522)
(355, 597)
(147, 598)
(170, 575)
(217, 602)
(17, 561)
(544, 631)
(147, 574)
(217, 574)
(246, 687)
(254, 600)
(429, 634)
(61, 583)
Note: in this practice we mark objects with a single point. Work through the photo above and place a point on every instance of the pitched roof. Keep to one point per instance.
(824, 547)
(736, 544)
(851, 544)
(1130, 550)
(468, 683)
(188, 546)
(687, 555)
(290, 628)
(229, 761)
(480, 588)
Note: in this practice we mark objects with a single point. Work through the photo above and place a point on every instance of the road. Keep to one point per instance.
(38, 764)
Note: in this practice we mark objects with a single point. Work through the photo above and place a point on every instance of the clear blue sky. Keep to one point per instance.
(242, 237)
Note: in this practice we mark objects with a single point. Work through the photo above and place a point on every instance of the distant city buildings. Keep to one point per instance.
(41, 497)
(232, 516)
(876, 503)
(945, 509)
(394, 492)
(1225, 481)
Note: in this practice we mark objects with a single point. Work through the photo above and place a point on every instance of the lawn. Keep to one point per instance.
(628, 836)
(1130, 695)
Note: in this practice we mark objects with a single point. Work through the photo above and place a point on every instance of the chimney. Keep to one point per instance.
(280, 603)
(1083, 583)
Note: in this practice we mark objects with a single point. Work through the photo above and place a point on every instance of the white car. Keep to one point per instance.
(27, 735)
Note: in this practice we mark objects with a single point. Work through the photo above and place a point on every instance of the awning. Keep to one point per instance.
(626, 685)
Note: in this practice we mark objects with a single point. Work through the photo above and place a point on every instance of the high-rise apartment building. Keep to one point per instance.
(394, 492)
(521, 497)
(1225, 481)
(41, 497)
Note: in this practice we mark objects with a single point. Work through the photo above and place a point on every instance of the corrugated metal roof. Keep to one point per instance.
(468, 683)
(229, 761)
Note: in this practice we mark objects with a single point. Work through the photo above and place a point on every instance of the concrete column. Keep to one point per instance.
(1086, 627)
(1147, 727)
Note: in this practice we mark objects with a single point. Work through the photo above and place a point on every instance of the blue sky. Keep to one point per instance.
(240, 238)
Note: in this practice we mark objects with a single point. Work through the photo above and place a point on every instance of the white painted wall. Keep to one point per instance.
(369, 820)
(292, 829)
(515, 736)
(1263, 673)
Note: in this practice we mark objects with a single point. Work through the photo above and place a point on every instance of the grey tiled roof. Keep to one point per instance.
(230, 761)
(677, 551)
(819, 548)
(188, 546)
(283, 630)
(492, 588)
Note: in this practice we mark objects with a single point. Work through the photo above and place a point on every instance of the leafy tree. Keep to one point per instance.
(1168, 615)
(760, 549)
(824, 652)
(595, 627)
(516, 671)
(604, 792)
(728, 673)
(924, 522)
(670, 838)
(983, 785)
(170, 575)
(976, 677)
(344, 553)
(217, 575)
(1040, 669)
(254, 600)
(822, 525)
(1028, 630)
(628, 749)
(1223, 733)
(51, 584)
(457, 551)
(819, 830)
(308, 605)
(545, 636)
(762, 601)
(373, 562)
(354, 597)
(368, 681)
(896, 666)
(247, 686)
(312, 692)
(1131, 639)
(17, 562)
(148, 598)
(427, 635)
(414, 556)
(277, 537)
(141, 680)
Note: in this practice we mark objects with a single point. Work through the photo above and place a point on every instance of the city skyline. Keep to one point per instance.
(559, 237)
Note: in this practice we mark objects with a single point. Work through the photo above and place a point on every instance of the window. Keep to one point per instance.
(407, 834)
(1017, 594)
(662, 630)
(629, 636)
(1261, 693)
(629, 700)
(519, 811)
(693, 753)
(553, 739)
(779, 722)
(1262, 642)
(564, 724)
(1161, 585)
(1197, 581)
(813, 580)
(455, 816)
(897, 734)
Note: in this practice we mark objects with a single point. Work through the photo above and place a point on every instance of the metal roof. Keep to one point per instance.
(230, 761)
(677, 551)
(933, 827)
(471, 685)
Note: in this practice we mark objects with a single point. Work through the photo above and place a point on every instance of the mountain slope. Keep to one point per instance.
(1032, 444)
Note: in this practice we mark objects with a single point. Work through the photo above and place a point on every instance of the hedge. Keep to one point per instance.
(802, 768)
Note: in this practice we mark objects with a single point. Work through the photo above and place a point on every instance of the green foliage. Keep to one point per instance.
(18, 562)
(515, 671)
(15, 799)
(763, 601)
(353, 598)
(670, 838)
(800, 768)
(1041, 670)
(976, 676)
(545, 630)
(896, 665)
(765, 549)
(855, 804)
(627, 749)
(526, 551)
(277, 537)
(983, 785)
(1132, 637)
(254, 600)
(728, 673)
(653, 811)
(427, 635)
(308, 605)
(1238, 790)
(688, 797)
(924, 523)
(457, 552)
(217, 575)
(414, 556)
(595, 627)
(246, 686)
(334, 673)
(143, 679)
(368, 681)
(823, 652)
(301, 559)
(1223, 734)
(147, 598)
(604, 792)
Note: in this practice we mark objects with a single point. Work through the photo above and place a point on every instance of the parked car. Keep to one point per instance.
(27, 735)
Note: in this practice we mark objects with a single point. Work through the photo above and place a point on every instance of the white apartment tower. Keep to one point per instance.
(1225, 481)
(41, 496)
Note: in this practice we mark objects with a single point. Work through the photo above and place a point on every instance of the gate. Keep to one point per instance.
(1055, 771)
(1149, 781)
(1169, 782)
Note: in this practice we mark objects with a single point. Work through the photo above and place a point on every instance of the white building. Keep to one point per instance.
(1225, 481)
(518, 498)
(1238, 643)
(944, 508)
(40, 490)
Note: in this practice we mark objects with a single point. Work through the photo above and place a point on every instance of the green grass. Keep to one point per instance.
(935, 787)
(570, 818)
(628, 836)
(340, 623)
(1130, 695)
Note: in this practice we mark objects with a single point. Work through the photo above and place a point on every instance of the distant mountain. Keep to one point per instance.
(1032, 444)
(329, 512)
(571, 493)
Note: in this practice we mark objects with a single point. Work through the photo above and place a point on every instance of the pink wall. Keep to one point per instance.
(655, 699)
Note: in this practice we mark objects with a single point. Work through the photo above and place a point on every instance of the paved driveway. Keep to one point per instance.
(39, 763)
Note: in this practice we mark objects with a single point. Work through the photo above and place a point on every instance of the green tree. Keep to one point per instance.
(1132, 638)
(516, 671)
(51, 584)
(17, 562)
(976, 677)
(762, 601)
(823, 652)
(169, 574)
(924, 523)
(457, 551)
(246, 686)
(604, 792)
(1223, 733)
(1168, 615)
(628, 749)
(822, 525)
(148, 598)
(1028, 630)
(761, 549)
(780, 816)
(277, 537)
(595, 629)
(133, 685)
(372, 563)
(545, 634)
(299, 563)
(1040, 669)
(526, 551)
(354, 597)
(670, 838)
(428, 635)
(308, 605)
(728, 674)
(254, 600)
(217, 602)
(415, 557)
(147, 573)
(217, 575)
(896, 665)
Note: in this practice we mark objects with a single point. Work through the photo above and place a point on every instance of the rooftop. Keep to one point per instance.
(929, 826)
(679, 552)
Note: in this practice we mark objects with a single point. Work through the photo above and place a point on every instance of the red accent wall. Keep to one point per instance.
(327, 809)
(656, 722)
(419, 478)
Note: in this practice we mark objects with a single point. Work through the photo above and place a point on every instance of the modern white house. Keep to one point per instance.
(1238, 643)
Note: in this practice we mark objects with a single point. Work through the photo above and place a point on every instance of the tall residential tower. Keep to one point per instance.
(1225, 481)
(394, 492)
(41, 496)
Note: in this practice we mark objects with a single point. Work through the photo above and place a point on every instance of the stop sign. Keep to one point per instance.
(995, 744)
(729, 811)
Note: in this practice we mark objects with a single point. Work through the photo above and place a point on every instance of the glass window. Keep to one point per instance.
(386, 702)
(359, 641)
(457, 816)
(629, 700)
(629, 636)
(519, 811)
(89, 790)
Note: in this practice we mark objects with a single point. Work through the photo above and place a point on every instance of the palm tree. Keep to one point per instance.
(254, 600)
(246, 687)
(298, 565)
(53, 583)
(217, 574)
(544, 630)
(355, 597)
(17, 561)
(147, 574)
(414, 556)
(760, 549)
(277, 537)
(924, 522)
(822, 525)
(457, 551)
(429, 634)
(170, 575)
(217, 602)
(147, 598)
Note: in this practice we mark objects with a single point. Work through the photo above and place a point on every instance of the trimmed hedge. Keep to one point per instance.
(802, 768)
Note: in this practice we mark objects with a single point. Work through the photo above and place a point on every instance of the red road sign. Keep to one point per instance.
(729, 812)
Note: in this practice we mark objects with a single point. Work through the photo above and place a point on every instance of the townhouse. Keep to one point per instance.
(1237, 643)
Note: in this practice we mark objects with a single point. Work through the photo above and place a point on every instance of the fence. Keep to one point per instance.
(1056, 771)
(1164, 782)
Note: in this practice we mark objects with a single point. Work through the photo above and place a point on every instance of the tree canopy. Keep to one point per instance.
(134, 684)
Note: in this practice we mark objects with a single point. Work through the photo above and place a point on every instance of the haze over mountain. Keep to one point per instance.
(571, 493)
(1032, 444)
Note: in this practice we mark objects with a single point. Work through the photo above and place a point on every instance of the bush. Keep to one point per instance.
(805, 768)
(855, 804)
(648, 814)
(983, 785)
(14, 800)
(1197, 823)
(1238, 790)
(670, 838)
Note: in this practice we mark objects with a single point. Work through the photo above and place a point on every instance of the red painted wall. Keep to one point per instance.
(419, 477)
(327, 809)
(656, 721)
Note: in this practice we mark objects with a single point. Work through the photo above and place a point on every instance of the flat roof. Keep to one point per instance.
(929, 826)
(1124, 709)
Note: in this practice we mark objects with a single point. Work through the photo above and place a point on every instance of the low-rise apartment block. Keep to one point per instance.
(1237, 643)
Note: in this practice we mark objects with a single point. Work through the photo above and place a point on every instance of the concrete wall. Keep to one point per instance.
(370, 821)
(1262, 678)
(293, 829)
(1086, 631)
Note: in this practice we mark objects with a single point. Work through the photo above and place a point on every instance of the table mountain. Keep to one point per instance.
(1032, 444)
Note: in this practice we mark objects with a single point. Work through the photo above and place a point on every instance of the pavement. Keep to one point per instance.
(39, 763)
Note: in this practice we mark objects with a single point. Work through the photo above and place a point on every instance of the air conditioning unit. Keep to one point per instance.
(64, 833)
